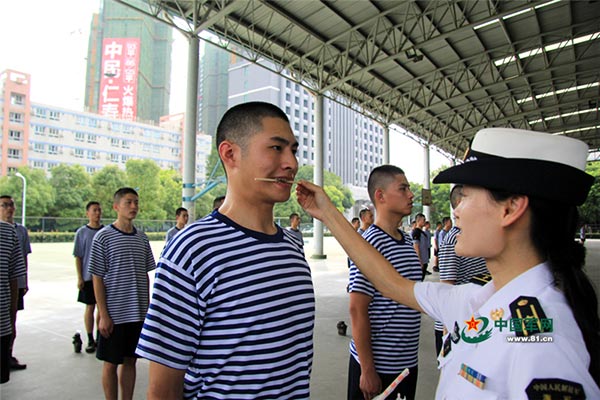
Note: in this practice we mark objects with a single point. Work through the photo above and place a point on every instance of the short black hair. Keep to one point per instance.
(292, 215)
(355, 219)
(217, 200)
(179, 211)
(362, 212)
(244, 120)
(122, 192)
(381, 177)
(91, 203)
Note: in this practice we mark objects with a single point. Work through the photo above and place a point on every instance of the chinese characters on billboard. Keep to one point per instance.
(119, 78)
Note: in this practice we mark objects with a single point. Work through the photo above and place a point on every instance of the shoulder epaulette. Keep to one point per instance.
(528, 317)
(481, 279)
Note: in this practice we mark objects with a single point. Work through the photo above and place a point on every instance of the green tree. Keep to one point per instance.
(143, 176)
(39, 196)
(104, 184)
(171, 183)
(72, 187)
(590, 210)
(440, 199)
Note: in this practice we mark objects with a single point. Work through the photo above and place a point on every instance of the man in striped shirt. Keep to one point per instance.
(120, 260)
(12, 267)
(385, 334)
(455, 269)
(232, 310)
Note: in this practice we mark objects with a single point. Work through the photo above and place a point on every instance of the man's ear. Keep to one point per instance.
(514, 208)
(228, 152)
(379, 195)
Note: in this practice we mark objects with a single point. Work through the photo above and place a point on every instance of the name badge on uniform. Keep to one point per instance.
(476, 378)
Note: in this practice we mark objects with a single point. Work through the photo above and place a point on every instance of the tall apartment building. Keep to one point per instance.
(213, 83)
(353, 143)
(128, 74)
(43, 136)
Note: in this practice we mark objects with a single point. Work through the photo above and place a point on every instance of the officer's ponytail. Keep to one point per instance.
(553, 230)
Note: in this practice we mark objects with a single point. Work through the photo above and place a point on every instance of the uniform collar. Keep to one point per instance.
(529, 283)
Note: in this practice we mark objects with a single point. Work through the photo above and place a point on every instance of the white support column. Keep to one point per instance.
(426, 183)
(191, 123)
(318, 171)
(386, 144)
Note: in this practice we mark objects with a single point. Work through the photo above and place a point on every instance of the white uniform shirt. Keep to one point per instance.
(508, 367)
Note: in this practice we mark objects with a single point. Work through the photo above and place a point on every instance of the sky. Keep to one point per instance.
(49, 38)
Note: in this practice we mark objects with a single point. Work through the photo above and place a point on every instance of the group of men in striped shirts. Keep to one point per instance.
(232, 310)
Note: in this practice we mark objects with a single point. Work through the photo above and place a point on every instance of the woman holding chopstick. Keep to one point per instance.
(533, 331)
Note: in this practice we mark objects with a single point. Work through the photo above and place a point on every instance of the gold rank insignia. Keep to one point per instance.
(528, 317)
(481, 279)
(497, 314)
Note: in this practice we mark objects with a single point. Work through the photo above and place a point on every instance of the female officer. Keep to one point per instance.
(532, 332)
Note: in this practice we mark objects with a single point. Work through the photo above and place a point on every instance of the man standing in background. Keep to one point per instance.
(421, 243)
(366, 220)
(293, 228)
(7, 213)
(120, 260)
(11, 268)
(181, 220)
(81, 251)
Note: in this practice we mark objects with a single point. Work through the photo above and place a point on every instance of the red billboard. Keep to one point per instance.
(119, 78)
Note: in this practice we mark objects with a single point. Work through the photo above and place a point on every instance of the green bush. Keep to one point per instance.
(57, 237)
(51, 237)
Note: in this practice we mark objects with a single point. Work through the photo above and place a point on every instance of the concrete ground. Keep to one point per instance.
(52, 315)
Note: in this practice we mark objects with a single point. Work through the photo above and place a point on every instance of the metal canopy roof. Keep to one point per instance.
(442, 69)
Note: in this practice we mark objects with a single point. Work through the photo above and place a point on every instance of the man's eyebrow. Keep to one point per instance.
(284, 141)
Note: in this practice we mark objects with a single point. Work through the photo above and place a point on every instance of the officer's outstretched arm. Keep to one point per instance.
(370, 262)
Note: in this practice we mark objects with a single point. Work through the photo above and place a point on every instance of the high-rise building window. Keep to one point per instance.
(39, 112)
(15, 117)
(39, 148)
(17, 99)
(53, 132)
(79, 136)
(78, 153)
(52, 149)
(92, 138)
(15, 135)
(54, 115)
(14, 154)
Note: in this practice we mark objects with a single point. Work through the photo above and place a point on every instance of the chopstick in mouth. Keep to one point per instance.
(278, 180)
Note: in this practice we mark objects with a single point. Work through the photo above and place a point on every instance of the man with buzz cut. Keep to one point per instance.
(119, 263)
(181, 220)
(232, 310)
(84, 237)
(385, 334)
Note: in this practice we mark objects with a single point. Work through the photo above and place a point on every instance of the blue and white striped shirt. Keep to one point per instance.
(454, 267)
(12, 267)
(123, 261)
(394, 327)
(235, 309)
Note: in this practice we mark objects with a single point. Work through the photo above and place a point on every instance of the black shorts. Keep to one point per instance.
(86, 295)
(121, 343)
(21, 301)
(5, 358)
